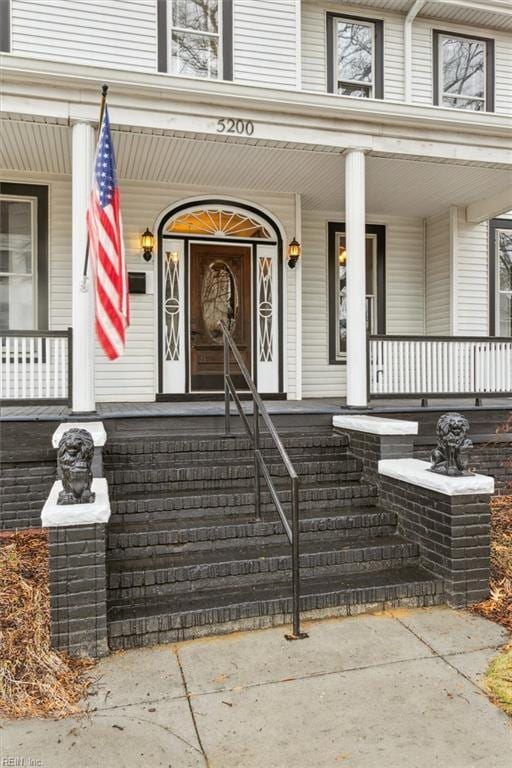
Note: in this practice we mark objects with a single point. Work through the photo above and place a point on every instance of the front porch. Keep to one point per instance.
(394, 235)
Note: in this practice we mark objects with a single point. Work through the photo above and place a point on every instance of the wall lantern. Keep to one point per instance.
(147, 241)
(342, 256)
(294, 250)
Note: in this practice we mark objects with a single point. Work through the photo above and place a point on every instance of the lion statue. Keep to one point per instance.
(74, 458)
(451, 455)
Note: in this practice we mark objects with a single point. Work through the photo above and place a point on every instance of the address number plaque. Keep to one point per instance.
(237, 127)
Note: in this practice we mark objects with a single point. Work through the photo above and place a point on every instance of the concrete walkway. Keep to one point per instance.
(395, 690)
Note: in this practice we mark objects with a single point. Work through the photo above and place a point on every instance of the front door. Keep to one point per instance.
(220, 289)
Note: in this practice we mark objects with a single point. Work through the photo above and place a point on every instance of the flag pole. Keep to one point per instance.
(104, 90)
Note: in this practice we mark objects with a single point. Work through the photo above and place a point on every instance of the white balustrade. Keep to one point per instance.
(401, 365)
(35, 366)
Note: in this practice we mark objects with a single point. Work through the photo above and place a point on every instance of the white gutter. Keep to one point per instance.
(411, 15)
(502, 7)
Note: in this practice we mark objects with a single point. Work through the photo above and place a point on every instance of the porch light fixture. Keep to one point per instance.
(294, 249)
(342, 256)
(147, 241)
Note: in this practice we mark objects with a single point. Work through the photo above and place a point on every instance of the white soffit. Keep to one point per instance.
(465, 13)
(394, 186)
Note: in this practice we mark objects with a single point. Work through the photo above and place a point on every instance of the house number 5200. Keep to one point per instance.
(240, 127)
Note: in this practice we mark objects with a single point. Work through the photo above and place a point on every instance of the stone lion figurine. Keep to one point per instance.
(451, 455)
(74, 458)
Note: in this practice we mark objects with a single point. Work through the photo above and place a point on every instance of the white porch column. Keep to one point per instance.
(356, 277)
(82, 301)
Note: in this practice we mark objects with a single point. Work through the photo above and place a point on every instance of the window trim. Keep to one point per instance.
(494, 226)
(378, 52)
(5, 26)
(225, 38)
(489, 99)
(40, 192)
(379, 231)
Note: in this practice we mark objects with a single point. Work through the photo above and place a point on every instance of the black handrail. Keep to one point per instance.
(292, 532)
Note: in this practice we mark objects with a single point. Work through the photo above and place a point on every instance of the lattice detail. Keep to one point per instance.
(218, 222)
(265, 309)
(172, 307)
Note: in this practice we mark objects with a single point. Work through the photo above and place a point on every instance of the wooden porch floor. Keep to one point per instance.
(308, 406)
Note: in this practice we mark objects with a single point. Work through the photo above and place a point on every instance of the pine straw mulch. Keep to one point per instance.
(499, 605)
(35, 681)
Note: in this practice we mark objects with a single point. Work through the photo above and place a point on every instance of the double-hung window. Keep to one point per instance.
(23, 257)
(500, 261)
(354, 56)
(463, 72)
(195, 38)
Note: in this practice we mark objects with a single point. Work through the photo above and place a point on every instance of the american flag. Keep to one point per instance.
(106, 248)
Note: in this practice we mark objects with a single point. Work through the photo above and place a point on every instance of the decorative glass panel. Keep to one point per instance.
(172, 306)
(463, 73)
(504, 282)
(219, 298)
(265, 299)
(217, 222)
(195, 38)
(17, 299)
(354, 58)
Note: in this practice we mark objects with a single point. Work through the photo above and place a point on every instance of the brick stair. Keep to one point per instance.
(186, 556)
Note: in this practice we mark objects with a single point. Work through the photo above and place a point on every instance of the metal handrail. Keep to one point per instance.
(292, 532)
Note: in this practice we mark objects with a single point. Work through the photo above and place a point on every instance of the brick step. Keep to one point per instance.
(143, 446)
(234, 474)
(154, 538)
(195, 614)
(180, 572)
(166, 462)
(143, 507)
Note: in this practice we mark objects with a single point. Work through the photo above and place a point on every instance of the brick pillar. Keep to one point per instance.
(78, 596)
(450, 521)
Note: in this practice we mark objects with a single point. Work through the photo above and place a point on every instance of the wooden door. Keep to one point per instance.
(220, 289)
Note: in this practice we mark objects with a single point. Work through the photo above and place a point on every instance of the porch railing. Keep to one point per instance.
(36, 367)
(259, 410)
(439, 366)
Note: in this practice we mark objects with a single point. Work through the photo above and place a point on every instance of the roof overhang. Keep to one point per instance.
(47, 90)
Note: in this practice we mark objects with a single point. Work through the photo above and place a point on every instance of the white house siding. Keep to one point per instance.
(472, 278)
(422, 88)
(314, 53)
(404, 289)
(265, 42)
(121, 34)
(133, 376)
(438, 277)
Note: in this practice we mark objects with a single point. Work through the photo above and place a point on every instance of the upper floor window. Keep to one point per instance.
(463, 72)
(195, 38)
(355, 56)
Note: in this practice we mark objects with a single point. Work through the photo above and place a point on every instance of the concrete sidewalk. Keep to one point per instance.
(395, 690)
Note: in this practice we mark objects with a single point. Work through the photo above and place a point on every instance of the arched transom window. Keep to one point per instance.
(219, 222)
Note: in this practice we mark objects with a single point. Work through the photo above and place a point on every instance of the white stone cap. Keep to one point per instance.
(96, 429)
(54, 515)
(375, 425)
(417, 472)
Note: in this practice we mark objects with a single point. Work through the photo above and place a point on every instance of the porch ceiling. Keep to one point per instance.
(394, 186)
